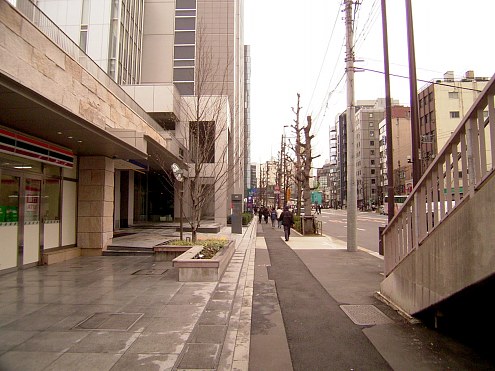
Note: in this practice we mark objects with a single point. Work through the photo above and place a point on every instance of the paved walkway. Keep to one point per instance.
(307, 304)
(126, 313)
(322, 299)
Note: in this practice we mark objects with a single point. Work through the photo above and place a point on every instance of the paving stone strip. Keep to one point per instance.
(220, 339)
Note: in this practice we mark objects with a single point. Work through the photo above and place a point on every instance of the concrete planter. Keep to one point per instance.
(169, 252)
(203, 270)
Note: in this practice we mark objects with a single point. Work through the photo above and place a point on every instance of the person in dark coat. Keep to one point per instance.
(260, 213)
(287, 222)
(266, 214)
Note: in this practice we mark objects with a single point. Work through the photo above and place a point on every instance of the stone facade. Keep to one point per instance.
(95, 204)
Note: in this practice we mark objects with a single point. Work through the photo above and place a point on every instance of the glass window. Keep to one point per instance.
(185, 88)
(185, 37)
(183, 74)
(186, 4)
(184, 52)
(185, 63)
(9, 199)
(454, 114)
(453, 95)
(32, 200)
(51, 197)
(83, 38)
(185, 24)
(85, 12)
(185, 13)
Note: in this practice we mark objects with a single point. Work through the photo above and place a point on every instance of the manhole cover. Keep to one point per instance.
(109, 321)
(150, 272)
(365, 315)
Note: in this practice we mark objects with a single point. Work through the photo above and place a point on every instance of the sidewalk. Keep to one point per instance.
(127, 313)
(307, 304)
(332, 317)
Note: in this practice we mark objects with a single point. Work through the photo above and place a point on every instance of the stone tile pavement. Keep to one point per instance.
(125, 313)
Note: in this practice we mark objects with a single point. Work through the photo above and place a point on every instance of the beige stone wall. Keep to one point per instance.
(30, 58)
(458, 254)
(95, 204)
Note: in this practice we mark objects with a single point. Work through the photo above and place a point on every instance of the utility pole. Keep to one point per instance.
(280, 170)
(413, 91)
(351, 111)
(388, 118)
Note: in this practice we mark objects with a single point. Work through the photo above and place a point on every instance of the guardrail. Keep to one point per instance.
(59, 37)
(459, 170)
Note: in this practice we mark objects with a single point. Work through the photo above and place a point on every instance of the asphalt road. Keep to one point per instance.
(335, 225)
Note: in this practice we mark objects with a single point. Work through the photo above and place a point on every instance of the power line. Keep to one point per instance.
(426, 81)
(325, 56)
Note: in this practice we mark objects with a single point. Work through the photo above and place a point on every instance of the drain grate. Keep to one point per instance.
(365, 315)
(150, 272)
(109, 321)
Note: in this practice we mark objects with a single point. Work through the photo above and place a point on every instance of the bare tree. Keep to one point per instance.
(204, 129)
(307, 160)
(297, 150)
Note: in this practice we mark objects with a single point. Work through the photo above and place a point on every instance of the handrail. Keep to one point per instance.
(38, 18)
(456, 173)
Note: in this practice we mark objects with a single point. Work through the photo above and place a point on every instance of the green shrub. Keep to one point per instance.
(246, 218)
(297, 223)
(210, 248)
(179, 243)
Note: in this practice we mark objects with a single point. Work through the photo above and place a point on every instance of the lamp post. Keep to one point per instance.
(179, 176)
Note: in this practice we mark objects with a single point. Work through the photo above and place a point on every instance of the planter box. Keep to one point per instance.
(169, 252)
(203, 270)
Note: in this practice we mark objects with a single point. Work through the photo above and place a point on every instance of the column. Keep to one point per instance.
(95, 204)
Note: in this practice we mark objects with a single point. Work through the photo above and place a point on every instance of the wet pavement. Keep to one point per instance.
(305, 304)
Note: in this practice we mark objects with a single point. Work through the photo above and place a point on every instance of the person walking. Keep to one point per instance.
(266, 214)
(260, 213)
(287, 222)
(279, 212)
(273, 216)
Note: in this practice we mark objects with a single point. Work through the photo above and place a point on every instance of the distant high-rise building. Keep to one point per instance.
(401, 146)
(166, 52)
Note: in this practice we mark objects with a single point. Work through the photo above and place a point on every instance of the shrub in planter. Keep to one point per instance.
(297, 223)
(246, 218)
(210, 248)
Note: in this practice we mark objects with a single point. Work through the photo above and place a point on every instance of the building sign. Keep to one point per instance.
(27, 147)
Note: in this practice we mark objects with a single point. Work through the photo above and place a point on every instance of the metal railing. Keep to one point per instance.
(36, 16)
(457, 173)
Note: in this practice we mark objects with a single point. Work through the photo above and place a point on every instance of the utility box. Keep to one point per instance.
(236, 219)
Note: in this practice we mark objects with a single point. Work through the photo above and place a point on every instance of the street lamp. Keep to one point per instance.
(179, 175)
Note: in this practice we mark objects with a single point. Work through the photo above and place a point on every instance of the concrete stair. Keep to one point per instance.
(116, 250)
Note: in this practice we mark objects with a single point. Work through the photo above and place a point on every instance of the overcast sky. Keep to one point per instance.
(298, 46)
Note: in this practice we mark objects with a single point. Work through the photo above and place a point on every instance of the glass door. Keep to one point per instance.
(31, 232)
(9, 221)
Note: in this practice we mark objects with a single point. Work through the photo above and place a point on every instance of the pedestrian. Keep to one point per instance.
(273, 216)
(279, 212)
(260, 213)
(266, 214)
(287, 222)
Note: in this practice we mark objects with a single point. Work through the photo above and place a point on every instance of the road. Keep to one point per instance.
(335, 225)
